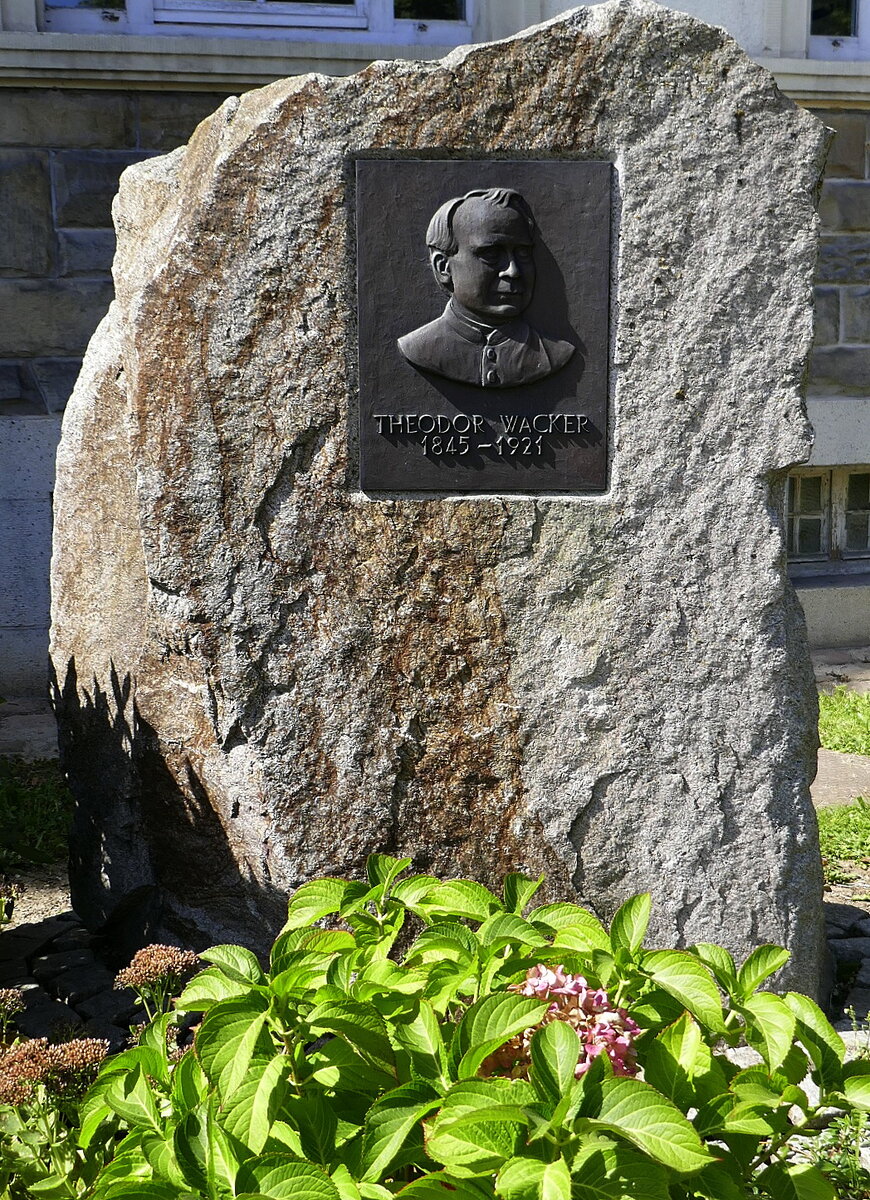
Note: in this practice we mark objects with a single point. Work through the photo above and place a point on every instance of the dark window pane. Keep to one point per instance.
(811, 494)
(430, 10)
(810, 535)
(856, 531)
(789, 494)
(833, 18)
(790, 534)
(859, 492)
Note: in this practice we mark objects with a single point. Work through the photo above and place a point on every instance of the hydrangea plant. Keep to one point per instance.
(508, 1051)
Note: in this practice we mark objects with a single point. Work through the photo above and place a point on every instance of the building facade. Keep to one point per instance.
(88, 88)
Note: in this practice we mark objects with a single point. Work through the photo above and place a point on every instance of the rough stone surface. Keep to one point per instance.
(263, 674)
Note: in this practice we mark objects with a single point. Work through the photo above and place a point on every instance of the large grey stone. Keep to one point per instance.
(25, 549)
(264, 674)
(86, 251)
(856, 314)
(55, 378)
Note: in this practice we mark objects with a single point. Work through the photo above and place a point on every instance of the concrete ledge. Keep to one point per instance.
(815, 81)
(209, 63)
(842, 430)
(837, 614)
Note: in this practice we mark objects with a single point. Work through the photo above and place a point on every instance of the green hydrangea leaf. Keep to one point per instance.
(628, 928)
(518, 891)
(231, 1038)
(389, 1123)
(761, 963)
(441, 1185)
(687, 980)
(382, 869)
(209, 987)
(603, 1171)
(361, 1026)
(529, 1179)
(458, 898)
(249, 1113)
(770, 1026)
(720, 962)
(282, 1178)
(237, 963)
(488, 1024)
(796, 1181)
(320, 898)
(131, 1097)
(653, 1124)
(555, 1051)
(819, 1038)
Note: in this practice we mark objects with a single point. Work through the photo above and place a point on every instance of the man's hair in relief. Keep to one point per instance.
(440, 236)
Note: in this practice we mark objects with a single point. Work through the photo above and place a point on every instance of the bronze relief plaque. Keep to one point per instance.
(483, 293)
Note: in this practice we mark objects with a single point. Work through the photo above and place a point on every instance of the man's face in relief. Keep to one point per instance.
(492, 273)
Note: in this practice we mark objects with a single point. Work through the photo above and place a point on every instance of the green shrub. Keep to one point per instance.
(529, 1055)
(844, 721)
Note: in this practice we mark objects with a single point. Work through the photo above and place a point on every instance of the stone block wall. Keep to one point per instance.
(61, 154)
(841, 361)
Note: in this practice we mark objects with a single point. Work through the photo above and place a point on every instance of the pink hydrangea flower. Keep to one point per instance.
(603, 1029)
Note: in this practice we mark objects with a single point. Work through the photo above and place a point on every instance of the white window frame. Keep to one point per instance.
(262, 12)
(844, 49)
(824, 513)
(835, 558)
(361, 22)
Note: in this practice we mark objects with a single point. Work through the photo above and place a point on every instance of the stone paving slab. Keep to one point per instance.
(840, 778)
(842, 667)
(27, 728)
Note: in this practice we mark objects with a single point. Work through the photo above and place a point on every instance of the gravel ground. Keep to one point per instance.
(44, 893)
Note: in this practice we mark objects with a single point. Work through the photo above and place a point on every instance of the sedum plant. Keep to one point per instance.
(508, 1051)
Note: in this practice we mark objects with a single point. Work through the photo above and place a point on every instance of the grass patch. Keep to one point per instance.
(844, 721)
(35, 810)
(844, 836)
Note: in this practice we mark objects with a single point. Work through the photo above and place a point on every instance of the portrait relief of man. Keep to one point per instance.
(482, 253)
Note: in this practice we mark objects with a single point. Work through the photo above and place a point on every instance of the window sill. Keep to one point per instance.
(820, 81)
(830, 578)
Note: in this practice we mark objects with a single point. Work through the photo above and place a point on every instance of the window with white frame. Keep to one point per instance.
(828, 518)
(441, 22)
(840, 29)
